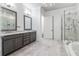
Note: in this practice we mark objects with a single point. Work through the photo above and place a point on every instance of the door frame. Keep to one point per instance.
(62, 34)
(53, 27)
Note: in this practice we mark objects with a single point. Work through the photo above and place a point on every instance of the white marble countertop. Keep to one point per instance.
(13, 32)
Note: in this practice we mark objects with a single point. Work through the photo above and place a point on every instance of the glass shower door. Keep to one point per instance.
(70, 25)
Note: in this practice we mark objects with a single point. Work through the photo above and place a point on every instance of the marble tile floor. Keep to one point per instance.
(42, 47)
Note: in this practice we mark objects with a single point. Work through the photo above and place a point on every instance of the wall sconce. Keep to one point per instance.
(27, 11)
(10, 5)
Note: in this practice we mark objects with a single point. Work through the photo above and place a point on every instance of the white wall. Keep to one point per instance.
(57, 21)
(36, 21)
(42, 21)
(20, 20)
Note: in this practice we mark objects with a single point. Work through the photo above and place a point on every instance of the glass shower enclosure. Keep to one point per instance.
(71, 25)
(71, 30)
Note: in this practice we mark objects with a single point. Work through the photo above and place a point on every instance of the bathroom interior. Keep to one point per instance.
(19, 19)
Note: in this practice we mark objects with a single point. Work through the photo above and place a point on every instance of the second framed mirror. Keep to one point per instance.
(27, 23)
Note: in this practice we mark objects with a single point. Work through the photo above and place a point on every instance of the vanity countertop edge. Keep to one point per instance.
(14, 32)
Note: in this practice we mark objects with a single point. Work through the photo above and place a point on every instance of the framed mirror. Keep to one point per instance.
(27, 23)
(8, 20)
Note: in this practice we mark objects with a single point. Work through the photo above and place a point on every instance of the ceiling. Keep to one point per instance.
(53, 6)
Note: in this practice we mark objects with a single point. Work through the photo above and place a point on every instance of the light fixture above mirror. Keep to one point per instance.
(9, 5)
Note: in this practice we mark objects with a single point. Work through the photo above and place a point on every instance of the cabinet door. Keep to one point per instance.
(33, 36)
(26, 42)
(18, 42)
(8, 46)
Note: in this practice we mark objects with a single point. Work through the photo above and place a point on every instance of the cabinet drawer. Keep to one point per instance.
(26, 42)
(8, 37)
(11, 36)
(19, 35)
(27, 39)
(27, 34)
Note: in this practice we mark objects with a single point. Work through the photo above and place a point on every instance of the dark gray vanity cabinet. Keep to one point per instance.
(13, 42)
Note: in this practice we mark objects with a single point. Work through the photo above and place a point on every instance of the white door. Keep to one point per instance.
(49, 27)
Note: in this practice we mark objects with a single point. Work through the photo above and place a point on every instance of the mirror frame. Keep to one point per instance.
(30, 23)
(15, 20)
